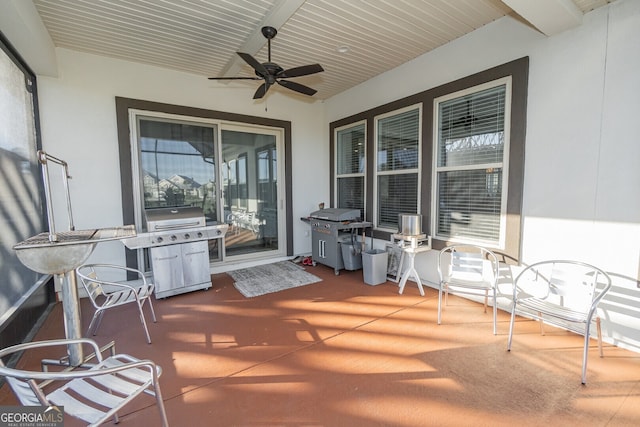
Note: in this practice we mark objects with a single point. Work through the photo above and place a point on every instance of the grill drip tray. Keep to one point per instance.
(69, 249)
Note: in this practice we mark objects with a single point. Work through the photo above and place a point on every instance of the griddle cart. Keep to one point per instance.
(329, 229)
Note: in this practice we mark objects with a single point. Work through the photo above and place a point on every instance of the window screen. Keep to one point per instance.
(21, 205)
(470, 167)
(397, 166)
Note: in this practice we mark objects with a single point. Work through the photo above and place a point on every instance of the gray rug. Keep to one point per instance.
(270, 278)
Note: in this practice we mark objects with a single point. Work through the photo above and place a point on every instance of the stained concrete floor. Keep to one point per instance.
(343, 353)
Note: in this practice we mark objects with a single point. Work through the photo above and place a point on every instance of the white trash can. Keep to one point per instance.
(374, 266)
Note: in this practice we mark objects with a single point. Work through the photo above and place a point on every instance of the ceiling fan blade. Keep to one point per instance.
(235, 78)
(254, 63)
(262, 90)
(306, 90)
(305, 70)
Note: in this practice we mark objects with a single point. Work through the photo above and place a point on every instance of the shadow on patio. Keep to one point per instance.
(340, 352)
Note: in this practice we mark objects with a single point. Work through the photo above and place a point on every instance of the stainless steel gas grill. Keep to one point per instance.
(177, 239)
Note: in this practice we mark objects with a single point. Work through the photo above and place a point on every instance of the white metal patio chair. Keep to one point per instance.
(468, 269)
(106, 294)
(94, 394)
(564, 293)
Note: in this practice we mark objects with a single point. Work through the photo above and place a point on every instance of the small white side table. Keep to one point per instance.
(411, 253)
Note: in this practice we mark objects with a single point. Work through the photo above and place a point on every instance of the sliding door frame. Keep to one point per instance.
(123, 107)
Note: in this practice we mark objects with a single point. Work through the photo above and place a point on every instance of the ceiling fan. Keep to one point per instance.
(272, 73)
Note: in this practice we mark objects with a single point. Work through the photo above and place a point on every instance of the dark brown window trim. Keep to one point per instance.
(519, 72)
(123, 105)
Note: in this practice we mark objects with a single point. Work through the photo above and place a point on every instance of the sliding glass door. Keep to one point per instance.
(250, 170)
(230, 171)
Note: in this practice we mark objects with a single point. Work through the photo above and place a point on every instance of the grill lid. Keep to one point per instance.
(177, 217)
(336, 214)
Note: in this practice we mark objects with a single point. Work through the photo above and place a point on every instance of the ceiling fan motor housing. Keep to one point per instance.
(273, 70)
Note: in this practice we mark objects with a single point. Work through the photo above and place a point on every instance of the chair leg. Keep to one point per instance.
(585, 353)
(511, 324)
(446, 294)
(95, 322)
(440, 304)
(599, 331)
(495, 313)
(160, 404)
(486, 299)
(144, 323)
(153, 312)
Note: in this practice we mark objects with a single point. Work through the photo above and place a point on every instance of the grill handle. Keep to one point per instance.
(44, 158)
(176, 226)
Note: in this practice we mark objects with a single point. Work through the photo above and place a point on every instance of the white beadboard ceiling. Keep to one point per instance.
(203, 36)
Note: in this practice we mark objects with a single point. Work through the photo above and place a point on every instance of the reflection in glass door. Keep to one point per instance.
(250, 192)
(177, 168)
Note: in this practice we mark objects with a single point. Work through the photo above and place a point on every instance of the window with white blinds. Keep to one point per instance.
(397, 166)
(470, 171)
(350, 167)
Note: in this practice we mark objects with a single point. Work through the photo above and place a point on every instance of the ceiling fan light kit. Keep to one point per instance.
(272, 73)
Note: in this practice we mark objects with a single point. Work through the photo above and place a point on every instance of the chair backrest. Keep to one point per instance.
(92, 285)
(469, 262)
(568, 284)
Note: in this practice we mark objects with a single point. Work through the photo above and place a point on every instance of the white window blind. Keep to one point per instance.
(397, 170)
(350, 167)
(470, 165)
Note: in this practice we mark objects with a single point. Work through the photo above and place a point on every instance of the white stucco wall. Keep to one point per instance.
(78, 122)
(582, 180)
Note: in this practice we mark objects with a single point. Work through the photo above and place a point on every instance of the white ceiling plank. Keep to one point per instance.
(550, 17)
(203, 36)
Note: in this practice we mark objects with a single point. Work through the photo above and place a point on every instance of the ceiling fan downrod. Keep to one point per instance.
(269, 33)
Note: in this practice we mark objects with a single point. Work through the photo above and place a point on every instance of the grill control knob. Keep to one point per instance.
(199, 234)
(174, 238)
(159, 239)
(187, 236)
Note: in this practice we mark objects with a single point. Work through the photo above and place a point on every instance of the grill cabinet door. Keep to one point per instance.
(166, 262)
(196, 263)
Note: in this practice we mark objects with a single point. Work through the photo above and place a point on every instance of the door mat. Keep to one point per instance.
(270, 278)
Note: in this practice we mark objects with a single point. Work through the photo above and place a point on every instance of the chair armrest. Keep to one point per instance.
(51, 343)
(97, 269)
(110, 365)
